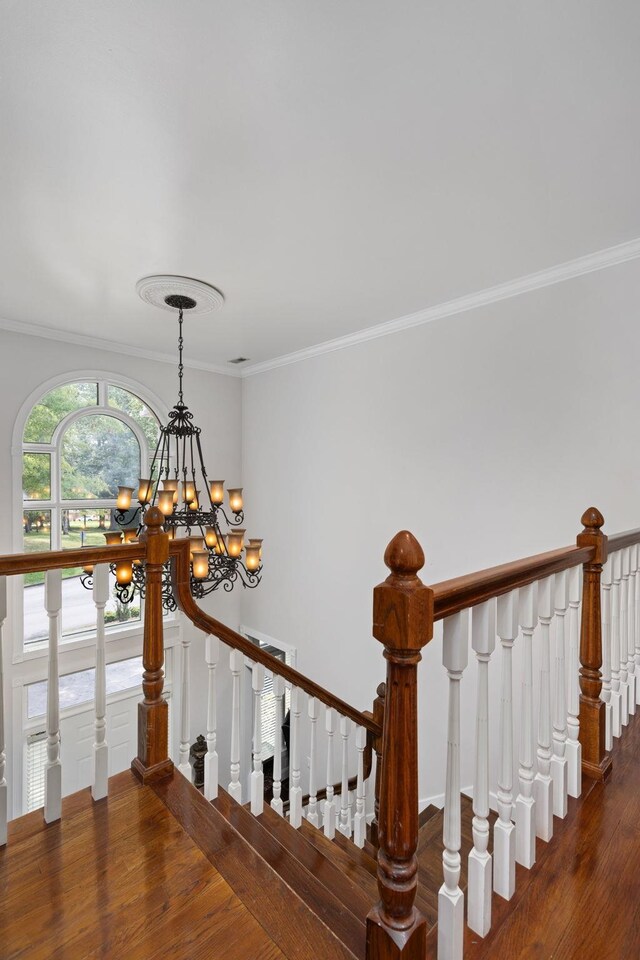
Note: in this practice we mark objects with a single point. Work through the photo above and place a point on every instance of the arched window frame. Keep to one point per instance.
(56, 503)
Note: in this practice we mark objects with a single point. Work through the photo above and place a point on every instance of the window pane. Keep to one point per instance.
(82, 528)
(98, 454)
(79, 687)
(36, 525)
(36, 476)
(55, 406)
(138, 411)
(78, 613)
(37, 530)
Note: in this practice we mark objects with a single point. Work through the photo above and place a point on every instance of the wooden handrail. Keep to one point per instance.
(13, 564)
(452, 596)
(181, 574)
(621, 540)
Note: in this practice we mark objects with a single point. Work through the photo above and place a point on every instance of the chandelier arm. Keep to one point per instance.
(155, 454)
(203, 470)
(239, 517)
(157, 462)
(184, 461)
(193, 466)
(120, 516)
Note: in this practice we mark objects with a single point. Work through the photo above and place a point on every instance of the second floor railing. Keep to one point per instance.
(579, 609)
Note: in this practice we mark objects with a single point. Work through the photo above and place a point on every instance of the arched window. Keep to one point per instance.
(80, 441)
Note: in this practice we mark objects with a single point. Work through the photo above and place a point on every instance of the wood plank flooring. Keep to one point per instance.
(582, 898)
(119, 878)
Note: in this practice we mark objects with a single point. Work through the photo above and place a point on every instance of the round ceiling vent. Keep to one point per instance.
(165, 291)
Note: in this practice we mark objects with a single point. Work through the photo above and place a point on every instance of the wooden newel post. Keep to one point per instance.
(152, 762)
(403, 622)
(596, 763)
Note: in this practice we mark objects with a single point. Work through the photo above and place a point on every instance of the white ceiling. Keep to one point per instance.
(328, 165)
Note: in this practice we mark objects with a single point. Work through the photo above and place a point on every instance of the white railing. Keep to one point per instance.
(620, 639)
(53, 781)
(333, 742)
(546, 760)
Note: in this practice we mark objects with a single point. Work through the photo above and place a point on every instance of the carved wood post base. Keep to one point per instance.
(385, 943)
(596, 762)
(152, 763)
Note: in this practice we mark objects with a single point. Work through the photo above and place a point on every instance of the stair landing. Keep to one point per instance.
(119, 878)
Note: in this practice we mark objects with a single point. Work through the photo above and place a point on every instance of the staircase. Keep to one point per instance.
(310, 893)
(322, 894)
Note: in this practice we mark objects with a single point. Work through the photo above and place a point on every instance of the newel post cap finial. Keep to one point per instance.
(592, 536)
(403, 605)
(157, 541)
(592, 519)
(153, 518)
(404, 556)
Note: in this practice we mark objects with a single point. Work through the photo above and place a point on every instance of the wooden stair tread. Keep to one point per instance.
(425, 815)
(300, 876)
(292, 906)
(357, 865)
(430, 848)
(324, 867)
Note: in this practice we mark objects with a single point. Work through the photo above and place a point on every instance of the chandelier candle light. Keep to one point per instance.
(192, 505)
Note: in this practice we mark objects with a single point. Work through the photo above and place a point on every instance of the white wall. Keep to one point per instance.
(486, 434)
(25, 363)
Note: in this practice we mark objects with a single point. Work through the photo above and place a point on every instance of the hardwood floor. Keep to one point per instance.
(157, 872)
(582, 898)
(119, 878)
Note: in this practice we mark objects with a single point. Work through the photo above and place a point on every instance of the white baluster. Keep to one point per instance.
(360, 818)
(616, 693)
(295, 790)
(212, 651)
(235, 663)
(257, 776)
(624, 637)
(53, 767)
(573, 746)
(329, 812)
(635, 552)
(312, 809)
(185, 704)
(344, 825)
(278, 692)
(455, 654)
(606, 653)
(525, 803)
(542, 783)
(559, 759)
(3, 755)
(504, 837)
(99, 787)
(631, 630)
(483, 641)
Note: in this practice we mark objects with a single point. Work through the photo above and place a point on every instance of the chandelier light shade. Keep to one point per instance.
(192, 505)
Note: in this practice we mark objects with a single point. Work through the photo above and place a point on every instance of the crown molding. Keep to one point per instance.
(97, 343)
(609, 257)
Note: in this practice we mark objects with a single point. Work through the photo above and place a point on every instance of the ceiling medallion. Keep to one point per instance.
(159, 290)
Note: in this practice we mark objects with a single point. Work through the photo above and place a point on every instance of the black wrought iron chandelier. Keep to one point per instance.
(192, 506)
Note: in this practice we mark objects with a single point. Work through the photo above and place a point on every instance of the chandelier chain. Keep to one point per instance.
(180, 363)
